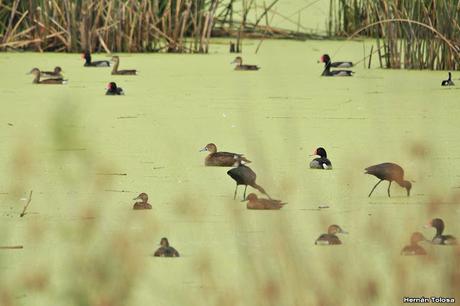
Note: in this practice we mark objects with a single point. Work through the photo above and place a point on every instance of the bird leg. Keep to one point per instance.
(389, 190)
(244, 195)
(236, 188)
(374, 188)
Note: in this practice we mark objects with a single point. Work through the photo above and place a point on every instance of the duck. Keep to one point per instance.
(330, 238)
(114, 90)
(222, 159)
(165, 250)
(327, 72)
(88, 63)
(327, 61)
(448, 82)
(239, 65)
(389, 172)
(413, 248)
(143, 204)
(36, 72)
(321, 162)
(56, 73)
(256, 203)
(115, 70)
(439, 238)
(243, 175)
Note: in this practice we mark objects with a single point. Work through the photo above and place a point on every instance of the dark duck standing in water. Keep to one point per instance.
(114, 90)
(222, 159)
(36, 72)
(321, 162)
(166, 250)
(88, 63)
(439, 238)
(413, 248)
(115, 70)
(243, 175)
(328, 65)
(389, 172)
(330, 238)
(240, 66)
(255, 203)
(143, 203)
(448, 82)
(52, 74)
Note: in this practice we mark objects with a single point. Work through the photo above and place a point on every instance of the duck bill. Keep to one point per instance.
(137, 198)
(204, 149)
(344, 232)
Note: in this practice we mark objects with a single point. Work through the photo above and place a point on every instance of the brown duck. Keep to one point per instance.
(330, 238)
(240, 66)
(255, 203)
(56, 73)
(222, 159)
(143, 203)
(413, 248)
(115, 70)
(166, 250)
(36, 72)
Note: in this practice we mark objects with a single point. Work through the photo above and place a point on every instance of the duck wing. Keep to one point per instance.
(342, 64)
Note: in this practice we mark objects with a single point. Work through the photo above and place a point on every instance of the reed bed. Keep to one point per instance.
(410, 34)
(131, 25)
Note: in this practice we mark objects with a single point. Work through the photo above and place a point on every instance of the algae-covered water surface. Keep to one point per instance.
(86, 156)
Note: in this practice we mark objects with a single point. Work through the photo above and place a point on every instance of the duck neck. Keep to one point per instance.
(115, 65)
(439, 230)
(36, 79)
(88, 60)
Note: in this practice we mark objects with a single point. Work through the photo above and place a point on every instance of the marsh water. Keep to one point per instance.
(86, 156)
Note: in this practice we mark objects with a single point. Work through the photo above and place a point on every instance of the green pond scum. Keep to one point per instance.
(86, 155)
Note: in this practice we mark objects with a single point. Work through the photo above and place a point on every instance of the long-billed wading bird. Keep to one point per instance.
(389, 172)
(243, 175)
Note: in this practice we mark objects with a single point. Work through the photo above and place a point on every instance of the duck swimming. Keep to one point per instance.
(166, 250)
(327, 61)
(239, 65)
(52, 74)
(88, 63)
(389, 172)
(255, 203)
(439, 238)
(330, 238)
(243, 175)
(115, 70)
(36, 72)
(222, 159)
(113, 90)
(321, 162)
(327, 69)
(448, 82)
(143, 204)
(414, 248)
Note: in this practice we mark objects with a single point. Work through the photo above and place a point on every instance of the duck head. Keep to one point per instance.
(238, 60)
(252, 197)
(57, 69)
(86, 55)
(35, 71)
(210, 147)
(115, 58)
(143, 197)
(112, 86)
(438, 224)
(321, 152)
(335, 229)
(417, 237)
(325, 59)
(164, 242)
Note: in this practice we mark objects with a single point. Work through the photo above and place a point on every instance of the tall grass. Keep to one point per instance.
(412, 34)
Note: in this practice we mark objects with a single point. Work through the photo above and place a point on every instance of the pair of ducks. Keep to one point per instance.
(242, 175)
(439, 239)
(52, 77)
(89, 63)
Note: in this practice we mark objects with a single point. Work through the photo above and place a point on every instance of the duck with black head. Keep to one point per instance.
(240, 66)
(328, 65)
(414, 248)
(222, 159)
(89, 63)
(330, 238)
(114, 90)
(448, 82)
(439, 238)
(165, 250)
(321, 162)
(143, 203)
